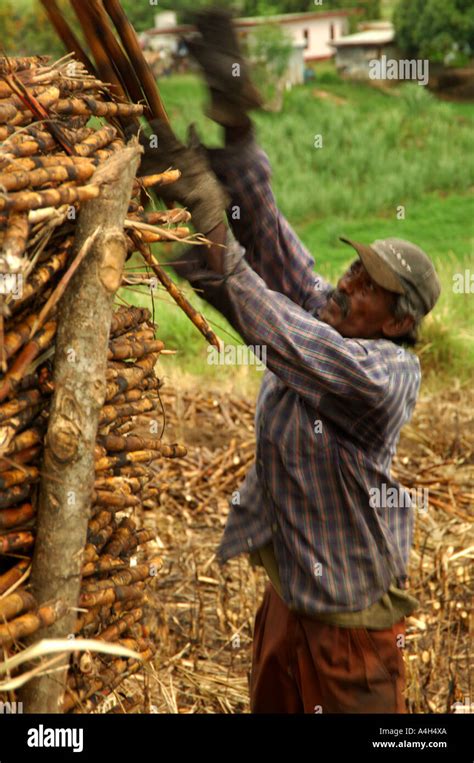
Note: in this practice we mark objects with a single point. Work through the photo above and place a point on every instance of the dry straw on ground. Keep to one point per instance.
(205, 613)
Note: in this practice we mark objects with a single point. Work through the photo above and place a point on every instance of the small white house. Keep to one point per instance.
(163, 22)
(314, 31)
(355, 51)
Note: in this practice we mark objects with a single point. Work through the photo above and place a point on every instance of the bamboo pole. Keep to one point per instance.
(68, 467)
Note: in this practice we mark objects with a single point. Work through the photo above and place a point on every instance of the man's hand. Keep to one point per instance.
(198, 188)
(222, 258)
(218, 53)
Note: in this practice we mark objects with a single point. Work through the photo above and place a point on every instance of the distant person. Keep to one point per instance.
(182, 49)
(339, 386)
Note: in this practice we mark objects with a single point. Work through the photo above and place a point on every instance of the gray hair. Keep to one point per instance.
(409, 304)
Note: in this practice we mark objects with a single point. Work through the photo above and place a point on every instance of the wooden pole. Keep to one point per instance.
(80, 388)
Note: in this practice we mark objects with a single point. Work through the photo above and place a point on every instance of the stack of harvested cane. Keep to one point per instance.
(48, 155)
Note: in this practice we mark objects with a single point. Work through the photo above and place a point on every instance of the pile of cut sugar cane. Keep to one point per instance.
(48, 155)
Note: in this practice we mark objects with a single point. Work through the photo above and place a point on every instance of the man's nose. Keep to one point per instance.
(347, 284)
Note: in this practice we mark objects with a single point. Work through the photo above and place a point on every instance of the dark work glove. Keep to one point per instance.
(210, 286)
(225, 69)
(198, 189)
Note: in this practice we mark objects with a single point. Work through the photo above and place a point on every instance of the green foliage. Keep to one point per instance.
(435, 29)
(27, 31)
(270, 43)
(141, 14)
(369, 9)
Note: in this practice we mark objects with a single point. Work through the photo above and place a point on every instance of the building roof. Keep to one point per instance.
(246, 21)
(371, 37)
(364, 26)
(291, 18)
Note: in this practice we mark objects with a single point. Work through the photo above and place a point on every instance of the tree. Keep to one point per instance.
(270, 43)
(142, 15)
(369, 9)
(26, 30)
(435, 29)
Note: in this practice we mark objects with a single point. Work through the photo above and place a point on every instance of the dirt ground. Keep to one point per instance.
(203, 613)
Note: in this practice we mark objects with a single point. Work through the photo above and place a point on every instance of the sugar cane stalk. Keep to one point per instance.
(141, 67)
(198, 320)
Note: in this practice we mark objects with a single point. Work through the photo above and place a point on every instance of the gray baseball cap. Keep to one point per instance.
(400, 266)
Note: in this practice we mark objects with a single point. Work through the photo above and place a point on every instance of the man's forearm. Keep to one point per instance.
(215, 254)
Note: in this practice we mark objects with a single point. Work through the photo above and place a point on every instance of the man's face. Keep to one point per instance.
(359, 307)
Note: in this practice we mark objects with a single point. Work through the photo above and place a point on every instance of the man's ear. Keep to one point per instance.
(394, 327)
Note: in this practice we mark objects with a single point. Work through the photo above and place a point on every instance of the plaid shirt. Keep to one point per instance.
(328, 415)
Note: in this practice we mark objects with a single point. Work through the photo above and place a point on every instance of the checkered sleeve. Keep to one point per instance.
(272, 247)
(306, 354)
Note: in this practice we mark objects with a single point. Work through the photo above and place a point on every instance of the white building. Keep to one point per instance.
(314, 31)
(355, 51)
(163, 22)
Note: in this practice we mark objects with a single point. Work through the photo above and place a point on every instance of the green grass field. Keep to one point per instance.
(380, 151)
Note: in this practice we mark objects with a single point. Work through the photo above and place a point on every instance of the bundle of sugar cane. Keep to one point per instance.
(48, 161)
(48, 157)
(113, 592)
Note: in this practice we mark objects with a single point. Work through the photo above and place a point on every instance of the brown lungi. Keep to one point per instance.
(301, 665)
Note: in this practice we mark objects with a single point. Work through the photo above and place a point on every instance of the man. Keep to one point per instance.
(339, 386)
